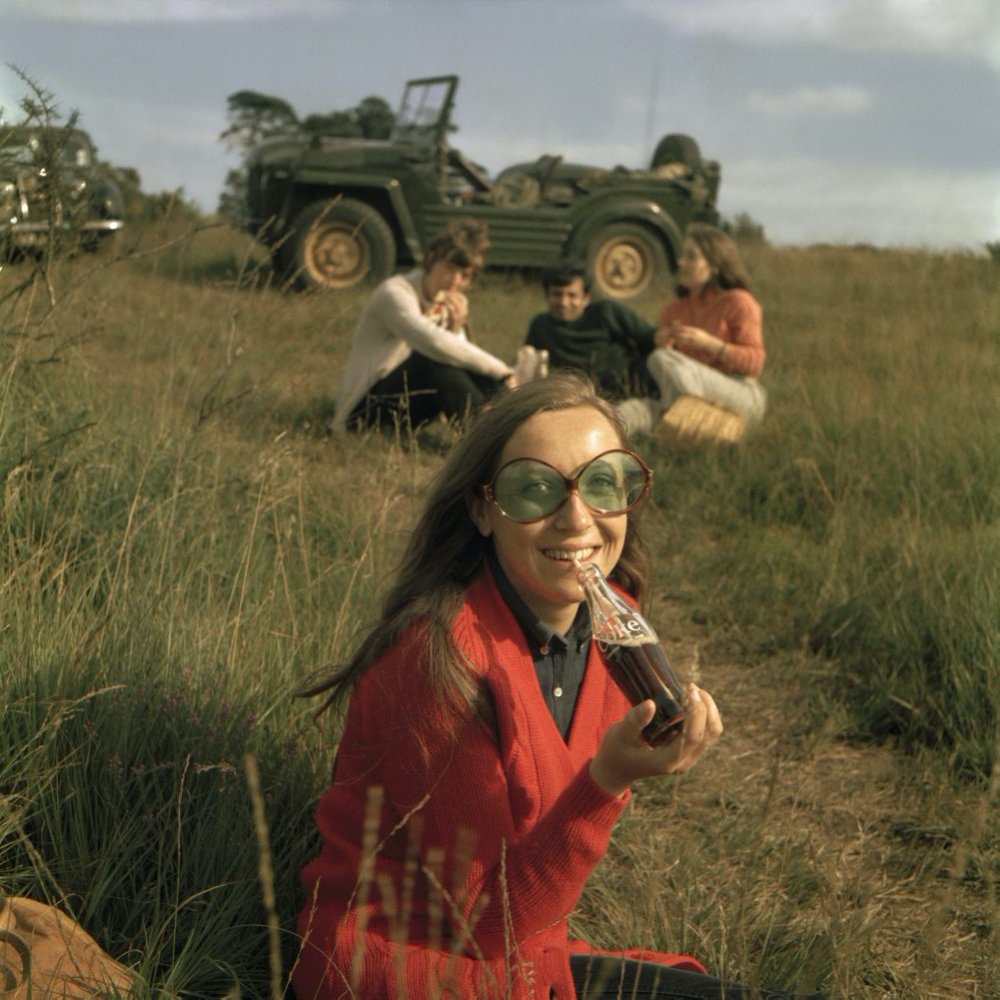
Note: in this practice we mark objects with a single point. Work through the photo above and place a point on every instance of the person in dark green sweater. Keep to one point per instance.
(603, 339)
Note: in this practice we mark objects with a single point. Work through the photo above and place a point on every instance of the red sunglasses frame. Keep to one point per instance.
(570, 482)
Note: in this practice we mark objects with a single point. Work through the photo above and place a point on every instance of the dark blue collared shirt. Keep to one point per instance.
(559, 659)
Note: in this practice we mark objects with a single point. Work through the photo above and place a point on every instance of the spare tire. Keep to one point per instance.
(676, 148)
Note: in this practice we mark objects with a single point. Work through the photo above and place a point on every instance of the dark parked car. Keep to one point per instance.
(336, 212)
(52, 191)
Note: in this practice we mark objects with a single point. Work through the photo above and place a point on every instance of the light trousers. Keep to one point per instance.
(678, 375)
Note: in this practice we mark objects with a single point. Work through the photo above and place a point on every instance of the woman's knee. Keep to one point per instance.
(672, 373)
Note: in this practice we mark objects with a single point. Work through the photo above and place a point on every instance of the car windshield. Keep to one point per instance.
(425, 104)
(38, 147)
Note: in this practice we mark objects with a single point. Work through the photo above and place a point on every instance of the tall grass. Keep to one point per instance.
(183, 544)
(864, 514)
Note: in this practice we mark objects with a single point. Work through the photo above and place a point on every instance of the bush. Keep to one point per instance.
(745, 230)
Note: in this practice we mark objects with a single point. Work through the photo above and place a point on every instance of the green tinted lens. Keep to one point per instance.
(612, 482)
(526, 490)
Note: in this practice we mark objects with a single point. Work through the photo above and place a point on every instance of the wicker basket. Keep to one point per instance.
(692, 422)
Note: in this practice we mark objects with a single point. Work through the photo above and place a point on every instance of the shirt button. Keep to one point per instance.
(544, 650)
(557, 692)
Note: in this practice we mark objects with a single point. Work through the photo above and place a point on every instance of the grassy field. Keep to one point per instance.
(183, 544)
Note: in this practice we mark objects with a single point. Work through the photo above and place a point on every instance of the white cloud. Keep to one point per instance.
(804, 200)
(954, 28)
(149, 11)
(166, 126)
(841, 100)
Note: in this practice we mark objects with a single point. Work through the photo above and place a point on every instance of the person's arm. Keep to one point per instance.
(664, 335)
(744, 335)
(635, 330)
(562, 342)
(508, 885)
(399, 310)
(537, 335)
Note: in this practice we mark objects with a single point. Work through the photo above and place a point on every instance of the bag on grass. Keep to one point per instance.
(44, 953)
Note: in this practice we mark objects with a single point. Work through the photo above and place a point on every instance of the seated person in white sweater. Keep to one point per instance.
(411, 359)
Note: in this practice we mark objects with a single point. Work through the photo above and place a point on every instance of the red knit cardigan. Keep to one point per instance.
(450, 871)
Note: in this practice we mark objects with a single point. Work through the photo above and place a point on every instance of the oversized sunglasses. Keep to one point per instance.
(527, 489)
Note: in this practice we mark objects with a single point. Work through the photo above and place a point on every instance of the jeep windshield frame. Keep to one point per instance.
(425, 111)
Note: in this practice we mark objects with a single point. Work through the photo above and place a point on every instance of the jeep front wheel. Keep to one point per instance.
(338, 243)
(625, 260)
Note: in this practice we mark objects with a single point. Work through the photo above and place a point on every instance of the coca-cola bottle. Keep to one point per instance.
(634, 655)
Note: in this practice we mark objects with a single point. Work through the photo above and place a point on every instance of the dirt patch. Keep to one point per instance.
(880, 854)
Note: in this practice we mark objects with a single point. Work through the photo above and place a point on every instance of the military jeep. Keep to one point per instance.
(53, 193)
(337, 212)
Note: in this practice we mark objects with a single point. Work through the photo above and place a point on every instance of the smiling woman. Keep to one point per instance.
(539, 555)
(487, 753)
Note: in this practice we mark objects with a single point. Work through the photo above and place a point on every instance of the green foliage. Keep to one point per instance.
(745, 229)
(143, 207)
(254, 116)
(340, 123)
(375, 118)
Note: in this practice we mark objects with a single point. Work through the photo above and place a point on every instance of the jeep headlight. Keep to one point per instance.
(8, 198)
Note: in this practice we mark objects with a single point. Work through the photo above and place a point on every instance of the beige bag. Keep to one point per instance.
(43, 953)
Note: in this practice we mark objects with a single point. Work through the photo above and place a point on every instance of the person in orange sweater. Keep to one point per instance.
(486, 752)
(710, 341)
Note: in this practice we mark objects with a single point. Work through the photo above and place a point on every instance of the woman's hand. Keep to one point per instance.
(666, 336)
(691, 338)
(624, 756)
(457, 306)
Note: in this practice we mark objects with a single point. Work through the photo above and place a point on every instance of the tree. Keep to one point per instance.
(254, 117)
(375, 118)
(745, 229)
(340, 123)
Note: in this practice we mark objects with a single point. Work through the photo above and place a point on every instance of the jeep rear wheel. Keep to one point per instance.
(625, 260)
(338, 243)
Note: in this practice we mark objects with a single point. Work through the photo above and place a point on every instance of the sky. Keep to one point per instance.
(836, 121)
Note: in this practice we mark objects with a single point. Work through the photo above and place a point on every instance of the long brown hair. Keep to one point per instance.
(446, 549)
(723, 256)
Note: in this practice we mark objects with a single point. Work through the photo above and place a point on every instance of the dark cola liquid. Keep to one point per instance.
(643, 671)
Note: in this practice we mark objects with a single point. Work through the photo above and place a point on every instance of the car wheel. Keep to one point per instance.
(625, 260)
(108, 244)
(338, 243)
